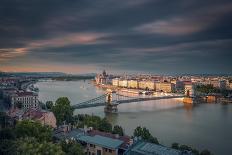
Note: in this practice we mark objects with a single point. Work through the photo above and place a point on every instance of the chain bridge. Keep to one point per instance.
(112, 99)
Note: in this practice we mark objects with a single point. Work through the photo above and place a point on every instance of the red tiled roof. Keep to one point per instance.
(33, 114)
(25, 94)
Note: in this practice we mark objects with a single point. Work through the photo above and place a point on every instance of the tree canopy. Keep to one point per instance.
(63, 110)
(118, 130)
(27, 128)
(72, 148)
(144, 133)
(49, 104)
(30, 146)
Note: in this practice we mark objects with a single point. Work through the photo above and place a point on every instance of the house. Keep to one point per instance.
(145, 148)
(44, 117)
(100, 145)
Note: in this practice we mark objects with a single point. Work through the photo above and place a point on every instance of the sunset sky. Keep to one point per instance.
(147, 36)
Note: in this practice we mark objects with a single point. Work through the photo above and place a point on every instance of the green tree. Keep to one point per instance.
(8, 147)
(49, 104)
(105, 126)
(118, 130)
(63, 110)
(27, 128)
(72, 148)
(145, 135)
(30, 146)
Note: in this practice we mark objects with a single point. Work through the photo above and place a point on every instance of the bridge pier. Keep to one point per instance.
(111, 108)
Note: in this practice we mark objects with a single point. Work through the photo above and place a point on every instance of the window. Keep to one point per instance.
(99, 152)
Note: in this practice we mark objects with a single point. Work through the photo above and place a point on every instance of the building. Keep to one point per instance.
(115, 82)
(100, 145)
(165, 87)
(222, 84)
(28, 100)
(215, 83)
(44, 117)
(146, 148)
(142, 84)
(230, 85)
(147, 84)
(189, 90)
(133, 84)
(123, 83)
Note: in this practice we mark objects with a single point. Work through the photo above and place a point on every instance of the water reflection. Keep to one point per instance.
(201, 126)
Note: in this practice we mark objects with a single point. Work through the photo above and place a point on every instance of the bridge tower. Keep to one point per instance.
(110, 106)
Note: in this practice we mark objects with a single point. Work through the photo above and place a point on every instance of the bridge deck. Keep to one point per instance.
(87, 104)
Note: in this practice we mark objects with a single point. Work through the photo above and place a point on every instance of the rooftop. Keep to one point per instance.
(101, 141)
(145, 148)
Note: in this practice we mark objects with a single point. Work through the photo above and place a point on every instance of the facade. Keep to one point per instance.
(222, 84)
(123, 83)
(165, 87)
(147, 84)
(133, 84)
(28, 100)
(150, 85)
(230, 85)
(44, 117)
(100, 145)
(115, 82)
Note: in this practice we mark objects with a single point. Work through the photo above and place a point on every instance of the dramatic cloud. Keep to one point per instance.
(188, 23)
(158, 36)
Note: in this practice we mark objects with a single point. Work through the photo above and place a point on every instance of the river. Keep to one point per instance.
(205, 126)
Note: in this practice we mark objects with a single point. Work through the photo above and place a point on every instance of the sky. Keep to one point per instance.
(131, 36)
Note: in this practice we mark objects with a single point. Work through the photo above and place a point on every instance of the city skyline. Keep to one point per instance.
(149, 36)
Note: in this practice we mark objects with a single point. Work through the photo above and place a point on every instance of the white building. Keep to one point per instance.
(115, 82)
(28, 100)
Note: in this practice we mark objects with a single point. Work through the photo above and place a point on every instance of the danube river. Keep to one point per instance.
(206, 126)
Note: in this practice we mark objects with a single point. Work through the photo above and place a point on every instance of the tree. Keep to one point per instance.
(72, 148)
(27, 128)
(4, 120)
(7, 133)
(31, 146)
(118, 130)
(175, 146)
(185, 147)
(105, 126)
(8, 147)
(63, 110)
(145, 135)
(205, 152)
(49, 104)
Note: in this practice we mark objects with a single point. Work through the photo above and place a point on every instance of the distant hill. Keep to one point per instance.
(32, 74)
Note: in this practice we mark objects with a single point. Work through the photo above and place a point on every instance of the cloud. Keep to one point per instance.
(9, 53)
(197, 47)
(173, 26)
(187, 24)
(70, 39)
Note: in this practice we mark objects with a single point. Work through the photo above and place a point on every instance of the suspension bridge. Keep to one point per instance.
(111, 100)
